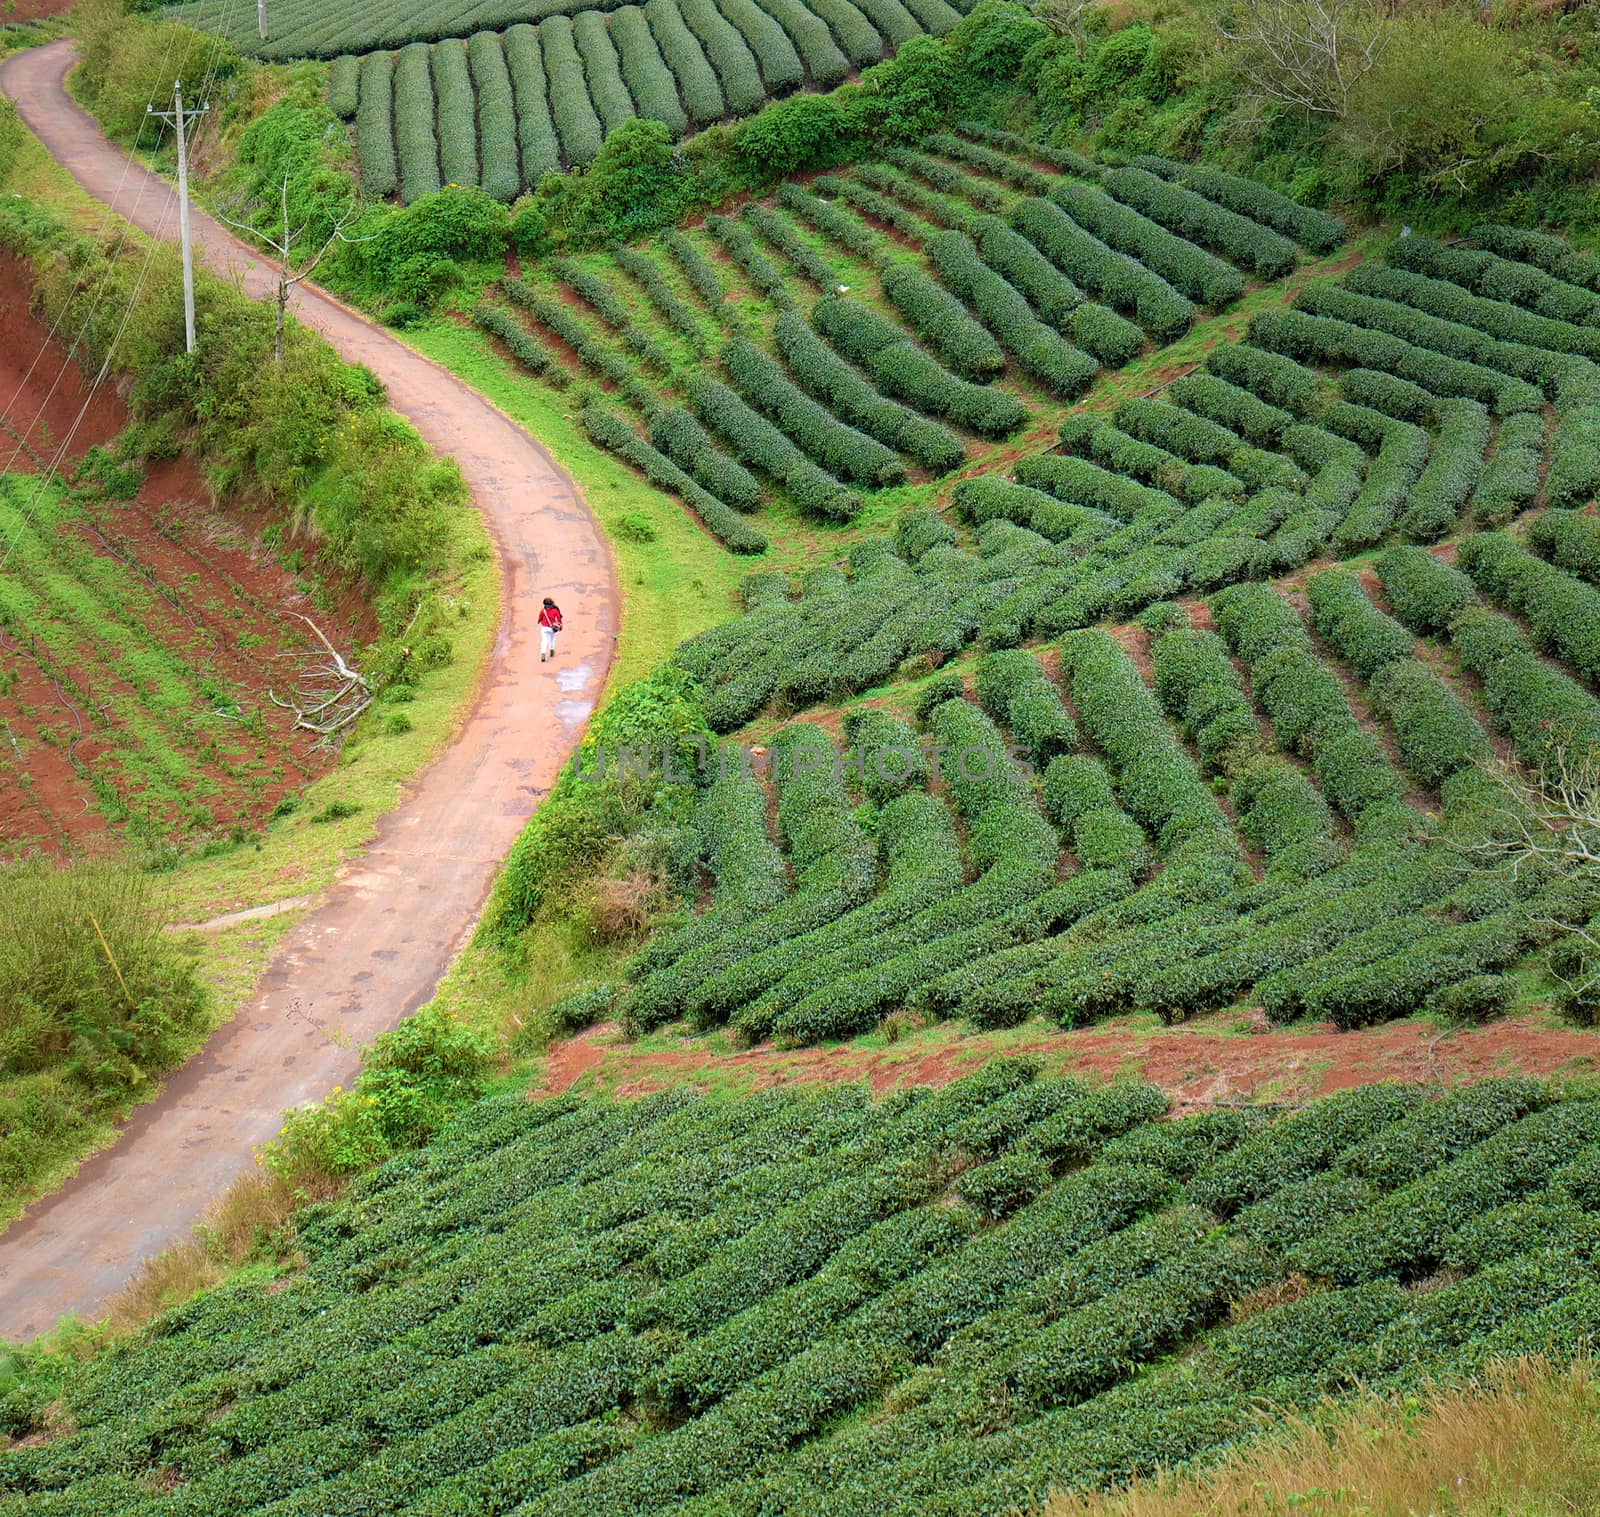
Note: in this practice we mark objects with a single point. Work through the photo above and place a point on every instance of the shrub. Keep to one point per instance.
(1278, 380)
(642, 268)
(1203, 221)
(1574, 473)
(1426, 594)
(577, 122)
(536, 133)
(1452, 474)
(732, 58)
(500, 173)
(827, 441)
(677, 434)
(380, 172)
(942, 322)
(530, 353)
(1490, 275)
(1479, 998)
(649, 80)
(823, 374)
(1218, 400)
(1014, 690)
(1437, 732)
(1570, 540)
(1324, 339)
(1510, 479)
(1362, 635)
(1554, 255)
(781, 233)
(1563, 612)
(1060, 367)
(904, 369)
(414, 112)
(757, 442)
(1196, 273)
(617, 435)
(1312, 229)
(612, 101)
(344, 86)
(1119, 280)
(458, 115)
(1388, 483)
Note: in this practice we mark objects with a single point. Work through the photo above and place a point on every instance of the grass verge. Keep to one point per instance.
(1523, 1441)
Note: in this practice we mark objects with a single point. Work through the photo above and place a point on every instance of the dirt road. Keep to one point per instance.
(375, 945)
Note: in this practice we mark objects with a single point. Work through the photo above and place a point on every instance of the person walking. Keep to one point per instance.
(549, 625)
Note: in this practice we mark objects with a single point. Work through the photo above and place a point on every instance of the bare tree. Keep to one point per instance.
(1064, 18)
(328, 697)
(1545, 819)
(1547, 822)
(1309, 53)
(283, 246)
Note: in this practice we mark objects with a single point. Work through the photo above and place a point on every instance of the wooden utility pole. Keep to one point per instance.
(261, 18)
(176, 119)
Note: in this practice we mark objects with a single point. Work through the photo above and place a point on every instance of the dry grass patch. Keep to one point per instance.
(1524, 1442)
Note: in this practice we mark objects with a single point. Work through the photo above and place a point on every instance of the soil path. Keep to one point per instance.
(1197, 1066)
(374, 947)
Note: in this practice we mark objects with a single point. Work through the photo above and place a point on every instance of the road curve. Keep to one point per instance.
(375, 944)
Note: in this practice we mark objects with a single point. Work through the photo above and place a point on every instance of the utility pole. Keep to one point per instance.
(176, 119)
(261, 18)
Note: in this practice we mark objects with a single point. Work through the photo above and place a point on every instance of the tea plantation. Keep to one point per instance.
(812, 1302)
(1209, 764)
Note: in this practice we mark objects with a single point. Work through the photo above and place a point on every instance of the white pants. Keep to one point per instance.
(547, 642)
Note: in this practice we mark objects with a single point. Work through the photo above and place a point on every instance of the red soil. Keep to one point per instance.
(1198, 1068)
(225, 609)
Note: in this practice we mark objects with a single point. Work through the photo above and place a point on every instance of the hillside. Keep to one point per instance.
(940, 1302)
(1067, 943)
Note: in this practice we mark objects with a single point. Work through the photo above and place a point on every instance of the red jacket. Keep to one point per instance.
(550, 616)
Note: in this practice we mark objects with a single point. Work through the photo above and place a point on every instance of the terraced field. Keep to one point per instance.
(132, 673)
(1209, 764)
(946, 1302)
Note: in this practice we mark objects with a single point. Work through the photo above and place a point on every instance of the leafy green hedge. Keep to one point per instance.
(1510, 479)
(617, 435)
(677, 434)
(1312, 229)
(414, 112)
(679, 315)
(577, 122)
(1278, 380)
(1323, 339)
(1554, 255)
(1015, 691)
(344, 86)
(457, 109)
(375, 139)
(649, 80)
(536, 131)
(823, 374)
(1563, 612)
(687, 64)
(613, 102)
(1497, 278)
(1203, 221)
(942, 322)
(1197, 274)
(755, 441)
(735, 63)
(1453, 473)
(1570, 540)
(781, 233)
(1062, 369)
(500, 174)
(903, 369)
(1116, 278)
(827, 441)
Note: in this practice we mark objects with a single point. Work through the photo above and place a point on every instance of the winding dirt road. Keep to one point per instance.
(374, 946)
